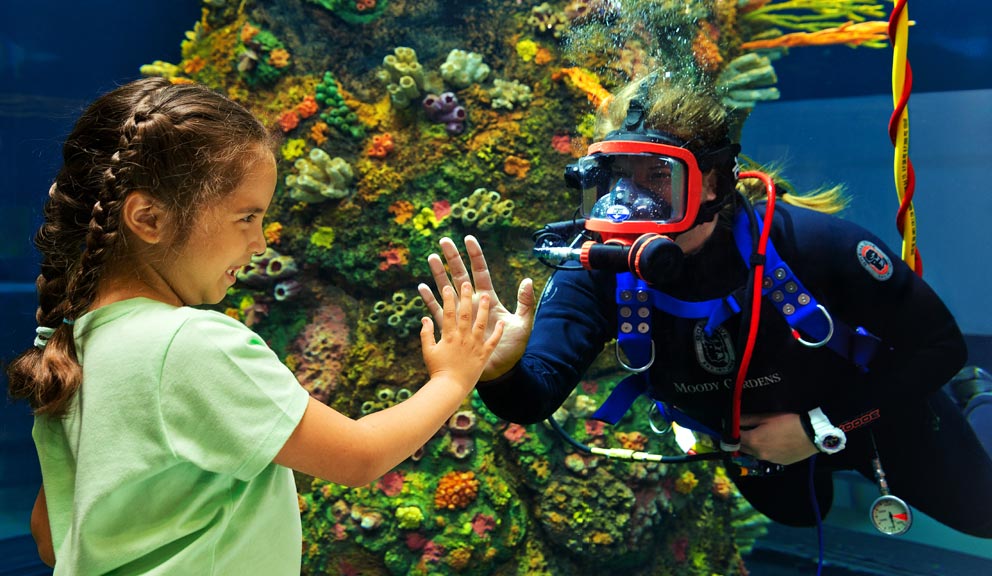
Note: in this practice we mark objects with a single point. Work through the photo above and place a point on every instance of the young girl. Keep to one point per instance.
(166, 434)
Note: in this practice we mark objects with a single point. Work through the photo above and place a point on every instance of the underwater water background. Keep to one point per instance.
(828, 127)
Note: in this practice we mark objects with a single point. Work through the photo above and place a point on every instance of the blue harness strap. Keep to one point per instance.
(636, 301)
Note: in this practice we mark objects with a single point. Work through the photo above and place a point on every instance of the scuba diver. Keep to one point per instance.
(793, 338)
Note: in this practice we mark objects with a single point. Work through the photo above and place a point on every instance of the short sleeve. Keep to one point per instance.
(228, 403)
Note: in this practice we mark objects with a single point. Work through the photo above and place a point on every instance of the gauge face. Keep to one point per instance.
(890, 515)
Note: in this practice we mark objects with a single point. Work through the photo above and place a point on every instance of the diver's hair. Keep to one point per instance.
(184, 145)
(694, 114)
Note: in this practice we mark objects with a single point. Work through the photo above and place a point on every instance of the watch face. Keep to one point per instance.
(831, 442)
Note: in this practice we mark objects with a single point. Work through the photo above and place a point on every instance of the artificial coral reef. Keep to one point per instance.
(408, 120)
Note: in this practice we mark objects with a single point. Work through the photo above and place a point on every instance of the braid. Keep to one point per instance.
(183, 145)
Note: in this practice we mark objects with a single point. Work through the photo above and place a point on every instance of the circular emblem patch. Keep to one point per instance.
(874, 260)
(618, 213)
(714, 353)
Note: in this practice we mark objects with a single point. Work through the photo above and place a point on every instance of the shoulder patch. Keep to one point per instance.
(874, 260)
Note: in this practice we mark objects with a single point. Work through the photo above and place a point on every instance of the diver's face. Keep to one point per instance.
(692, 240)
(655, 177)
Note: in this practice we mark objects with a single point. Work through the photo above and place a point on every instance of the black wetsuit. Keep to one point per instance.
(931, 456)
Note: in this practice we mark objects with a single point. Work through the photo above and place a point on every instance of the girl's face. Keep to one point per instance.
(223, 239)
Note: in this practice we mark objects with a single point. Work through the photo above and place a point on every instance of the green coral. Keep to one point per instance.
(483, 209)
(253, 60)
(319, 177)
(400, 312)
(322, 237)
(747, 80)
(350, 11)
(403, 75)
(336, 112)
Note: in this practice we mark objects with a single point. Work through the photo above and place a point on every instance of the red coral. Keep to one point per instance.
(680, 549)
(394, 256)
(441, 209)
(307, 108)
(364, 5)
(416, 541)
(562, 143)
(288, 120)
(391, 483)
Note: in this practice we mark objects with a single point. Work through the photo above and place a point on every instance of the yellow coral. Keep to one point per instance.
(872, 34)
(526, 49)
(425, 221)
(686, 482)
(293, 148)
(403, 210)
(273, 233)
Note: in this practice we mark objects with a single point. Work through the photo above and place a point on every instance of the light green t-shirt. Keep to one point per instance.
(164, 463)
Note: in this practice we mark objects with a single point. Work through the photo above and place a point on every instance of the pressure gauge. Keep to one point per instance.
(890, 515)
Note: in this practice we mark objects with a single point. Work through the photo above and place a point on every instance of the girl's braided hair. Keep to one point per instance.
(183, 144)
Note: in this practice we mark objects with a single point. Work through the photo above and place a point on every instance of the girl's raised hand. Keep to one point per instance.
(517, 324)
(463, 349)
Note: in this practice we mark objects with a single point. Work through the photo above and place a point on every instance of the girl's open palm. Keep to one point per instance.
(517, 324)
(464, 348)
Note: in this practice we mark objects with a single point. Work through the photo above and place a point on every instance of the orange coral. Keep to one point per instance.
(456, 490)
(308, 107)
(272, 232)
(632, 440)
(318, 132)
(288, 120)
(849, 33)
(394, 256)
(585, 81)
(194, 65)
(403, 211)
(543, 56)
(516, 166)
(364, 5)
(248, 32)
(279, 57)
(381, 146)
(705, 49)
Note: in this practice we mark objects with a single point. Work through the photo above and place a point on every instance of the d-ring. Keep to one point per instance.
(654, 410)
(830, 332)
(631, 368)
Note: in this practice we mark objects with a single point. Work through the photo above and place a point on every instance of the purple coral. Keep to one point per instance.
(445, 109)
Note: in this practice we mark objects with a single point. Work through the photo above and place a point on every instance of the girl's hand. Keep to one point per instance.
(517, 324)
(777, 438)
(463, 350)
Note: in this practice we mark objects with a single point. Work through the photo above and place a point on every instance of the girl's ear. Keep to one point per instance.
(144, 217)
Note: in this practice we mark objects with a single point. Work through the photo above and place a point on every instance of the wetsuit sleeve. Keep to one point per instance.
(570, 329)
(867, 285)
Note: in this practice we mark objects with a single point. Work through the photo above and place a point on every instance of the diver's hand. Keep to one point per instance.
(516, 325)
(777, 438)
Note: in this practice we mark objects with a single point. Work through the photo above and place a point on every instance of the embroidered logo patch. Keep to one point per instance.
(874, 260)
(715, 353)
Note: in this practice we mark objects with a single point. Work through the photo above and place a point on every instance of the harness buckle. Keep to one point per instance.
(629, 368)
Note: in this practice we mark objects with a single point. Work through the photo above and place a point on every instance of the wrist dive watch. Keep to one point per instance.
(828, 438)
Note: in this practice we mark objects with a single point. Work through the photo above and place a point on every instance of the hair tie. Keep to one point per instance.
(66, 320)
(43, 333)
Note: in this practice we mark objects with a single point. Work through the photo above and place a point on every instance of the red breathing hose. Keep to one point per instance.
(759, 274)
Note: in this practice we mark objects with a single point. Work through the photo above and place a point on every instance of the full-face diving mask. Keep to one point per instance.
(637, 187)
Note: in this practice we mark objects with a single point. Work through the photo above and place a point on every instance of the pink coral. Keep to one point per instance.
(482, 524)
(391, 483)
(515, 433)
(317, 354)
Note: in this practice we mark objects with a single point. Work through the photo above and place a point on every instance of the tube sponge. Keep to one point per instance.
(320, 177)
